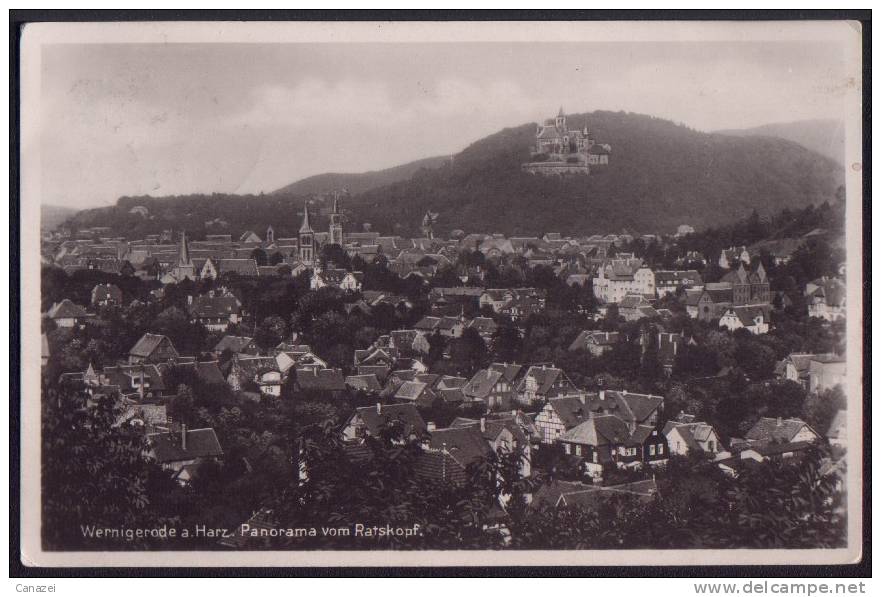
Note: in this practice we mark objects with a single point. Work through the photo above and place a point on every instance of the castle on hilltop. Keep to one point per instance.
(560, 150)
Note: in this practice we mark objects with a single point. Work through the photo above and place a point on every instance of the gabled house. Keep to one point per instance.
(598, 440)
(541, 383)
(753, 318)
(596, 342)
(504, 436)
(560, 415)
(415, 392)
(153, 348)
(669, 281)
(753, 455)
(768, 430)
(713, 301)
(337, 278)
(371, 420)
(633, 408)
(491, 388)
(216, 312)
(248, 371)
(685, 437)
(796, 367)
(299, 360)
(634, 307)
(183, 450)
(67, 314)
(328, 381)
(826, 298)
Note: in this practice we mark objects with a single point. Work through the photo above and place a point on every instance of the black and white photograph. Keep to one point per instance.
(440, 293)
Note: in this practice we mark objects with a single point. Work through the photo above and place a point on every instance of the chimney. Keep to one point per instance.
(430, 426)
(183, 436)
(482, 424)
(379, 408)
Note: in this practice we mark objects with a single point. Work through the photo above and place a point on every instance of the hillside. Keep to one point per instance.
(661, 175)
(359, 182)
(53, 215)
(826, 137)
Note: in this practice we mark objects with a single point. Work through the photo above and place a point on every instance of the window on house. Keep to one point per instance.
(652, 450)
(660, 449)
(578, 450)
(595, 457)
(568, 448)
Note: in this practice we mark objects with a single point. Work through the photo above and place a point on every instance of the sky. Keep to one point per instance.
(167, 119)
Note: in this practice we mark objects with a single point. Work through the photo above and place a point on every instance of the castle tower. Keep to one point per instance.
(336, 223)
(306, 240)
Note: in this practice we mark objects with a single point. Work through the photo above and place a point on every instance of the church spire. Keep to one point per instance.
(305, 227)
(184, 249)
(561, 113)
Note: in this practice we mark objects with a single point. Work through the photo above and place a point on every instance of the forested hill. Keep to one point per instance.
(359, 182)
(661, 175)
(826, 137)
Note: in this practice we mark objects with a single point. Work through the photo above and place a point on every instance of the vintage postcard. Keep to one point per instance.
(440, 293)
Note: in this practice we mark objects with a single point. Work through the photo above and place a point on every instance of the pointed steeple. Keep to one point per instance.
(561, 113)
(305, 227)
(184, 250)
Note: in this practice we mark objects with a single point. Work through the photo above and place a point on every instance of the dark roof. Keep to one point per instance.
(147, 345)
(465, 444)
(570, 410)
(209, 372)
(482, 383)
(407, 414)
(412, 390)
(544, 376)
(234, 344)
(768, 429)
(598, 431)
(367, 382)
(215, 306)
(330, 380)
(242, 267)
(509, 371)
(201, 443)
(629, 406)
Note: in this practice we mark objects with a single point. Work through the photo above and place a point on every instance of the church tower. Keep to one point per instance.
(336, 223)
(561, 120)
(306, 240)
